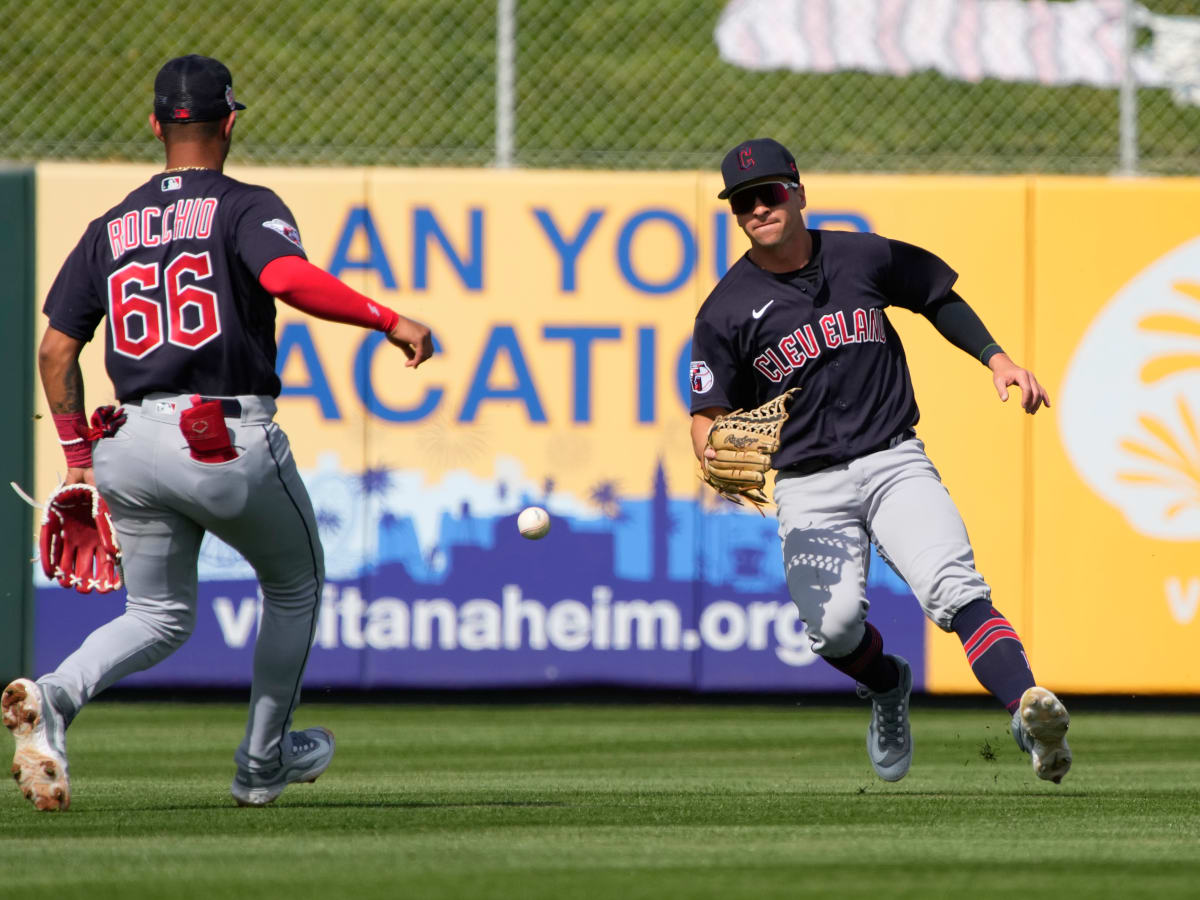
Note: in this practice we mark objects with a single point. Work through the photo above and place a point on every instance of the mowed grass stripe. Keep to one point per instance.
(625, 801)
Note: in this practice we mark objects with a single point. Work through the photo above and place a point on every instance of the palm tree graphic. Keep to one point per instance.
(605, 496)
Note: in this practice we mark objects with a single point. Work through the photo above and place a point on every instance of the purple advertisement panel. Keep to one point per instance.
(661, 593)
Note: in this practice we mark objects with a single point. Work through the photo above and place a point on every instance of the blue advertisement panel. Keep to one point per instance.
(562, 304)
(614, 599)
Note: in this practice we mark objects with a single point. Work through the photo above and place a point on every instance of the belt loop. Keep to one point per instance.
(231, 408)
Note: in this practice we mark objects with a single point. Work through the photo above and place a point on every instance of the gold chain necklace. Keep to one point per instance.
(188, 169)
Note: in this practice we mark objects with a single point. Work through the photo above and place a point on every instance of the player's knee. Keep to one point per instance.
(171, 625)
(834, 628)
(836, 642)
(299, 596)
(175, 630)
(947, 588)
(835, 632)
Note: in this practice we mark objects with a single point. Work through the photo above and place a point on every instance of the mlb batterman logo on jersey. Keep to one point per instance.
(1130, 410)
(701, 377)
(286, 229)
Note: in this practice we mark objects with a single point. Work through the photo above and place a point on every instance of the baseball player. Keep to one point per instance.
(185, 270)
(806, 309)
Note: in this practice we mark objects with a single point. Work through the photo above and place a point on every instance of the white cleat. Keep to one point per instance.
(1039, 726)
(40, 762)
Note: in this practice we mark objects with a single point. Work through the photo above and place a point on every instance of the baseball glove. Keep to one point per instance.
(744, 441)
(78, 545)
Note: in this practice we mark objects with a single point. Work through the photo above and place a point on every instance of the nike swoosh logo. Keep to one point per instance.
(758, 313)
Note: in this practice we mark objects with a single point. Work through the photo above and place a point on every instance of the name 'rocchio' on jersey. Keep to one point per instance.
(191, 217)
(795, 349)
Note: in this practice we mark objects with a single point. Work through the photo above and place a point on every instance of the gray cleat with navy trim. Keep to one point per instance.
(309, 754)
(889, 738)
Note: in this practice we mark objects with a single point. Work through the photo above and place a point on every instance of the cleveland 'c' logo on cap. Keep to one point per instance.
(745, 160)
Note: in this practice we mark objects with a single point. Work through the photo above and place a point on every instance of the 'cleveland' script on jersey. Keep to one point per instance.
(801, 345)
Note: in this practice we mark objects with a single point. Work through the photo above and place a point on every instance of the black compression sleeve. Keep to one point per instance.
(959, 324)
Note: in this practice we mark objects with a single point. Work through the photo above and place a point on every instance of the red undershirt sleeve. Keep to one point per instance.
(300, 284)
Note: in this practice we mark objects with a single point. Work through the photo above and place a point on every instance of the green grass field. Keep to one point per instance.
(656, 801)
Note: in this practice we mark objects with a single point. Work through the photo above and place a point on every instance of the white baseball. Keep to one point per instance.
(533, 522)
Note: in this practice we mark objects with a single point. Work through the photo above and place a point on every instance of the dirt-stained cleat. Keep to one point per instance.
(889, 738)
(308, 753)
(1039, 726)
(40, 762)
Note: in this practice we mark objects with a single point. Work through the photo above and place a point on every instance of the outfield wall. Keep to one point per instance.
(563, 302)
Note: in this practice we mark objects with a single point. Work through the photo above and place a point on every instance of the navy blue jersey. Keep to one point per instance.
(822, 329)
(174, 267)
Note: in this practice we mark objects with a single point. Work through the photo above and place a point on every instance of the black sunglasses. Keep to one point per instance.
(770, 194)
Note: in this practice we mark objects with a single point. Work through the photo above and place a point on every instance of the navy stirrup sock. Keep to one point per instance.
(867, 664)
(994, 652)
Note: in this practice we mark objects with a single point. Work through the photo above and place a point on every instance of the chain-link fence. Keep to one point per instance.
(635, 84)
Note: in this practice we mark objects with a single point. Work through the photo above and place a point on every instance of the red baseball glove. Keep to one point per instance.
(78, 544)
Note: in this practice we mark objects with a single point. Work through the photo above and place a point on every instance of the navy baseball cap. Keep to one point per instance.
(756, 160)
(193, 89)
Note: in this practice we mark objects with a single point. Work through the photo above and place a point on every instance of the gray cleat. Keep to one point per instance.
(889, 739)
(310, 753)
(1039, 726)
(40, 761)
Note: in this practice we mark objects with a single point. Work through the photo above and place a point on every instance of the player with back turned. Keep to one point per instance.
(186, 269)
(800, 320)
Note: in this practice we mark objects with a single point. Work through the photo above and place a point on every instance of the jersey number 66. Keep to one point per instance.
(131, 313)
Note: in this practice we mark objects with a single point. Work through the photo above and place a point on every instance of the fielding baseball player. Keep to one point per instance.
(185, 270)
(797, 330)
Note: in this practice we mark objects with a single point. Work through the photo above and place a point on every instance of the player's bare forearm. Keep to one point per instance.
(1005, 373)
(62, 382)
(62, 378)
(701, 423)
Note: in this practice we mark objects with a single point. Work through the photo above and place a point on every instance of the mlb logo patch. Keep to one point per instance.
(164, 407)
(286, 229)
(172, 183)
(701, 377)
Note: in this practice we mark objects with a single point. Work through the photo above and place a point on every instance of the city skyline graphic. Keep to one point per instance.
(433, 586)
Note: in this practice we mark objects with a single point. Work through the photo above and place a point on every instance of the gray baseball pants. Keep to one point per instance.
(895, 498)
(162, 502)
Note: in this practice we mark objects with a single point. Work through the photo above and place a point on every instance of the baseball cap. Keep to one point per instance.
(193, 89)
(755, 160)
